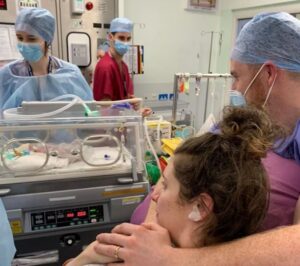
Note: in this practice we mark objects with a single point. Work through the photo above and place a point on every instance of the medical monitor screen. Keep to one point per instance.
(3, 5)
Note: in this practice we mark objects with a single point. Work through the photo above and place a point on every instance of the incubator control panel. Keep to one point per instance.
(66, 217)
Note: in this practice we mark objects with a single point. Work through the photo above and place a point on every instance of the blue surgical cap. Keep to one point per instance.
(121, 25)
(270, 36)
(38, 22)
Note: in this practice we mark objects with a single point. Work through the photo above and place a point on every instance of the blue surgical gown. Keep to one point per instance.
(17, 86)
(290, 147)
(7, 246)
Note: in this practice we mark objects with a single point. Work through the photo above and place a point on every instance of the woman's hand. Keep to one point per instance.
(139, 244)
(89, 256)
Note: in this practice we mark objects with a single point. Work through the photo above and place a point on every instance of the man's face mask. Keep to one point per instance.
(31, 52)
(121, 47)
(236, 98)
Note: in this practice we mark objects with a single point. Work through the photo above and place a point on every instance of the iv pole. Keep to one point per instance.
(209, 62)
(177, 76)
(198, 75)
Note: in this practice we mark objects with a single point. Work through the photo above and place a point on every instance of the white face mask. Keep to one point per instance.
(238, 99)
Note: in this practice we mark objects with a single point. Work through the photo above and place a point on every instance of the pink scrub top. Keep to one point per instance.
(109, 82)
(284, 178)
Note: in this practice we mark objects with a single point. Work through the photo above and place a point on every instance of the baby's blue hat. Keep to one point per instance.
(38, 22)
(270, 36)
(121, 25)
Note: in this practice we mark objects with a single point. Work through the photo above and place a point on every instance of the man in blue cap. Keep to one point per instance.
(111, 77)
(265, 64)
(39, 76)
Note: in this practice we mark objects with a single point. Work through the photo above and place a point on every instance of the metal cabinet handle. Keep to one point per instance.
(4, 191)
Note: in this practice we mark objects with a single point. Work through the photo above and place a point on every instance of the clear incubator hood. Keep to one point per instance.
(69, 144)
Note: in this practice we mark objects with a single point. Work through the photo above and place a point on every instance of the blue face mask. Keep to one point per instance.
(31, 52)
(121, 47)
(236, 98)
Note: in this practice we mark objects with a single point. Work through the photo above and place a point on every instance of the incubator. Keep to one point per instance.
(66, 178)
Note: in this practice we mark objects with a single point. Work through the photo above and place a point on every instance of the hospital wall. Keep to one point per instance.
(172, 41)
(231, 10)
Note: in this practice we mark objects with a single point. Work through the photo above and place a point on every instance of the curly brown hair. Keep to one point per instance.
(227, 166)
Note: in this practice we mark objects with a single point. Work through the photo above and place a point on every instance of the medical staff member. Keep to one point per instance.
(39, 77)
(111, 77)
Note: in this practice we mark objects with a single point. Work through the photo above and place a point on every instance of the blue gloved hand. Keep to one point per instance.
(121, 106)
